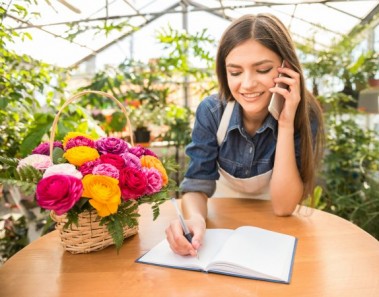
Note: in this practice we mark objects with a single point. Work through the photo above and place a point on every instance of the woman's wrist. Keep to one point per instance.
(287, 128)
(198, 217)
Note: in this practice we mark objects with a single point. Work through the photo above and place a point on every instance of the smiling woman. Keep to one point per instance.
(250, 78)
(238, 148)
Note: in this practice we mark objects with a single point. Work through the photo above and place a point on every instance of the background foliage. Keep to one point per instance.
(31, 93)
(350, 173)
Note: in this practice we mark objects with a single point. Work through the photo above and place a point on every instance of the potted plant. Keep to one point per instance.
(340, 63)
(351, 166)
(141, 120)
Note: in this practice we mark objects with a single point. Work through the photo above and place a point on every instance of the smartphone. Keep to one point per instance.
(277, 101)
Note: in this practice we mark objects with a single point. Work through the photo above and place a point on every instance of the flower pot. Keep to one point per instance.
(373, 82)
(142, 135)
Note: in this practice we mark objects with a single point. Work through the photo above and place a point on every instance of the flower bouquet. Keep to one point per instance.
(93, 186)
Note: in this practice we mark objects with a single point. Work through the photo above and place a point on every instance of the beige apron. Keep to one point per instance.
(256, 187)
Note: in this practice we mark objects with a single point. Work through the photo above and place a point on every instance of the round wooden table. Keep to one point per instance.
(333, 258)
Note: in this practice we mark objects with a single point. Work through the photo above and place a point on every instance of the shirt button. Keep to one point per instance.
(246, 172)
(251, 150)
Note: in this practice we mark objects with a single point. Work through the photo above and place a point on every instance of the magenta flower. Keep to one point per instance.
(107, 170)
(154, 180)
(131, 160)
(79, 141)
(111, 145)
(87, 167)
(44, 148)
(116, 160)
(140, 151)
(59, 192)
(137, 150)
(133, 183)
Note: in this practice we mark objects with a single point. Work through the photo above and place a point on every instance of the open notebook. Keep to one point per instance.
(248, 252)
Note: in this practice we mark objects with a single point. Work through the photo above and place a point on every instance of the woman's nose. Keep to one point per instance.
(248, 81)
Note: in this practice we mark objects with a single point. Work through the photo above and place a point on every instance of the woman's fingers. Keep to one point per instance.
(179, 244)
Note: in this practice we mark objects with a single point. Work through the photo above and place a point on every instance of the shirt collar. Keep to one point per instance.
(236, 121)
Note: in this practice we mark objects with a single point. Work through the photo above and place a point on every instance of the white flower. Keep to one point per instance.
(37, 161)
(64, 169)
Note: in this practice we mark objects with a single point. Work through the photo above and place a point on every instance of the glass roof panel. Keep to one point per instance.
(331, 19)
(324, 20)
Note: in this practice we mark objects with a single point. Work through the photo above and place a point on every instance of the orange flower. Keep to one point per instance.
(104, 193)
(152, 162)
(79, 155)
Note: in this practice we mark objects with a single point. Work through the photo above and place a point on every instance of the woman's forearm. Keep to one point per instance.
(194, 205)
(286, 186)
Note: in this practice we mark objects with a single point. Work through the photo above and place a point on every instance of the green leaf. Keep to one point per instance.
(58, 156)
(3, 103)
(32, 140)
(118, 121)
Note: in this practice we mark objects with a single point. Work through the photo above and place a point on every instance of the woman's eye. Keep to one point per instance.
(234, 73)
(263, 71)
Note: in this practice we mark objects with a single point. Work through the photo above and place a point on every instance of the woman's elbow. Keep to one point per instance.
(284, 206)
(282, 212)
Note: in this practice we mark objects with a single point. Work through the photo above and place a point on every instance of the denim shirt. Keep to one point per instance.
(240, 154)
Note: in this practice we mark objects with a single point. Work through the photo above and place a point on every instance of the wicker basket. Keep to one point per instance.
(88, 236)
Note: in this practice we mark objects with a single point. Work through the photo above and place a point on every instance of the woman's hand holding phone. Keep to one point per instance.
(287, 99)
(277, 101)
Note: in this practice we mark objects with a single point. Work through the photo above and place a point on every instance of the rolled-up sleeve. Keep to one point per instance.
(198, 185)
(202, 171)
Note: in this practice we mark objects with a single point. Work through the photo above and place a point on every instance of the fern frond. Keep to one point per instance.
(11, 162)
(26, 187)
(126, 216)
(28, 174)
(25, 178)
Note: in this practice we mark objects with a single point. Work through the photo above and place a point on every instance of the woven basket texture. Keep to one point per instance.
(88, 236)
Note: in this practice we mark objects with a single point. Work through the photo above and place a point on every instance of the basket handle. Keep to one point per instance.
(78, 95)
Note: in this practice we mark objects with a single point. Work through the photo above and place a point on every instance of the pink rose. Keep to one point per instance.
(133, 183)
(111, 145)
(79, 141)
(107, 170)
(115, 160)
(140, 151)
(59, 192)
(154, 180)
(64, 169)
(131, 160)
(87, 167)
(38, 161)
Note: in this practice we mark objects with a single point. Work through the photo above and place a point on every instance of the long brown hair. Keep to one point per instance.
(269, 31)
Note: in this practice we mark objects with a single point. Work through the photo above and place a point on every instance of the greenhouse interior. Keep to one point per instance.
(137, 70)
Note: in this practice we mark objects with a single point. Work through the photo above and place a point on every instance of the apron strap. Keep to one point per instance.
(222, 128)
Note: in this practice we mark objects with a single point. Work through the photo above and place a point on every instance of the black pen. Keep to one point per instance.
(187, 233)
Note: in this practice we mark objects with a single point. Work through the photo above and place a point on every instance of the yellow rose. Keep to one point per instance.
(104, 193)
(79, 155)
(70, 135)
(152, 162)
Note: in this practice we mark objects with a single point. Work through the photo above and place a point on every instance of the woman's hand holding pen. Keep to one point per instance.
(179, 243)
